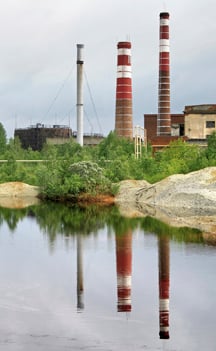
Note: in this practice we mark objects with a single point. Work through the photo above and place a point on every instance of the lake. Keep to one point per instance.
(88, 279)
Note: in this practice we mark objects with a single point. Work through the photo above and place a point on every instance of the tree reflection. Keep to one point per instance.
(60, 219)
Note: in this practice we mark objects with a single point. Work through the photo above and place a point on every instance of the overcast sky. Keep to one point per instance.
(38, 58)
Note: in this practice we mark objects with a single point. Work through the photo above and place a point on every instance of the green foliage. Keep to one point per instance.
(211, 149)
(3, 139)
(91, 176)
(115, 148)
(70, 169)
(57, 218)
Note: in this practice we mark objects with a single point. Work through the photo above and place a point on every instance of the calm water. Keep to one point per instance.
(85, 279)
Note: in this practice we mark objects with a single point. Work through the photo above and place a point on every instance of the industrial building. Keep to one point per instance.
(36, 136)
(176, 128)
(196, 122)
(200, 121)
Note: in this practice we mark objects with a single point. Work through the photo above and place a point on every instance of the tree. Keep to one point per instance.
(3, 139)
(211, 149)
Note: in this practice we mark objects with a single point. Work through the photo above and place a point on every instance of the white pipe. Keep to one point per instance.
(79, 105)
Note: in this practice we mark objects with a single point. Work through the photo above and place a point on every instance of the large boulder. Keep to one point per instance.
(196, 190)
(182, 199)
(18, 195)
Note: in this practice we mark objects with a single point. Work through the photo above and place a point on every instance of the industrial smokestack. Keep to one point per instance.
(124, 270)
(164, 283)
(164, 118)
(124, 117)
(79, 105)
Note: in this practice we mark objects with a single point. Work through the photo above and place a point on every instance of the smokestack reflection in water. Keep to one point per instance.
(164, 283)
(124, 270)
(80, 303)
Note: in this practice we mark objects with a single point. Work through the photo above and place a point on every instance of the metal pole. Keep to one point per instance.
(79, 105)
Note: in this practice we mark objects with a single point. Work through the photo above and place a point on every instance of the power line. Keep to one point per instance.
(93, 104)
(58, 92)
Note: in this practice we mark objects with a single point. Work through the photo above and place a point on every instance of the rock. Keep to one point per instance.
(183, 200)
(18, 189)
(18, 195)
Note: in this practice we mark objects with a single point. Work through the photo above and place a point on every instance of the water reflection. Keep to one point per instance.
(110, 254)
(164, 285)
(80, 288)
(124, 270)
(124, 275)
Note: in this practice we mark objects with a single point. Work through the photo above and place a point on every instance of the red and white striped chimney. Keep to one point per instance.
(163, 117)
(124, 116)
(164, 283)
(124, 269)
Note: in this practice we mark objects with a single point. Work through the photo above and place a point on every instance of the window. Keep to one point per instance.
(210, 124)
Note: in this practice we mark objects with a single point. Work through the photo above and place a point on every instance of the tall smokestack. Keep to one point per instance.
(79, 105)
(124, 268)
(124, 117)
(164, 118)
(164, 283)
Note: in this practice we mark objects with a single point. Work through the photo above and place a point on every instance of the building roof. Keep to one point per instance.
(200, 109)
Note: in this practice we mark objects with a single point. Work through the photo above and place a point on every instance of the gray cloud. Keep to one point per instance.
(38, 51)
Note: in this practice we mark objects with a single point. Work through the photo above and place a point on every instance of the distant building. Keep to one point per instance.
(200, 121)
(158, 142)
(150, 125)
(36, 136)
(194, 125)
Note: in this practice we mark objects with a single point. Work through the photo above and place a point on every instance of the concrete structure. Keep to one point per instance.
(79, 105)
(158, 142)
(123, 114)
(124, 270)
(194, 126)
(90, 139)
(38, 135)
(176, 125)
(164, 283)
(163, 118)
(200, 121)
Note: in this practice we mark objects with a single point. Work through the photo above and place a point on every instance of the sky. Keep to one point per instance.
(38, 41)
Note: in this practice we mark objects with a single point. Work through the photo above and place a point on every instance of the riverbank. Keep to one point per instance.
(179, 200)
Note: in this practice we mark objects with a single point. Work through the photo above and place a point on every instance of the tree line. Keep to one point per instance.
(69, 169)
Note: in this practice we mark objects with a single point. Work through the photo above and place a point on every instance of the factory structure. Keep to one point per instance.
(124, 113)
(36, 136)
(194, 124)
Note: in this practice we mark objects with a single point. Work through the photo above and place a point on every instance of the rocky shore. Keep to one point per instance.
(179, 200)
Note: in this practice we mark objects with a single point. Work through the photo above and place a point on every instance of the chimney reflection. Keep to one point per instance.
(124, 269)
(164, 283)
(80, 303)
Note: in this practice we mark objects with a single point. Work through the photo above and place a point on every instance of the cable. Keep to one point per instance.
(58, 92)
(93, 104)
